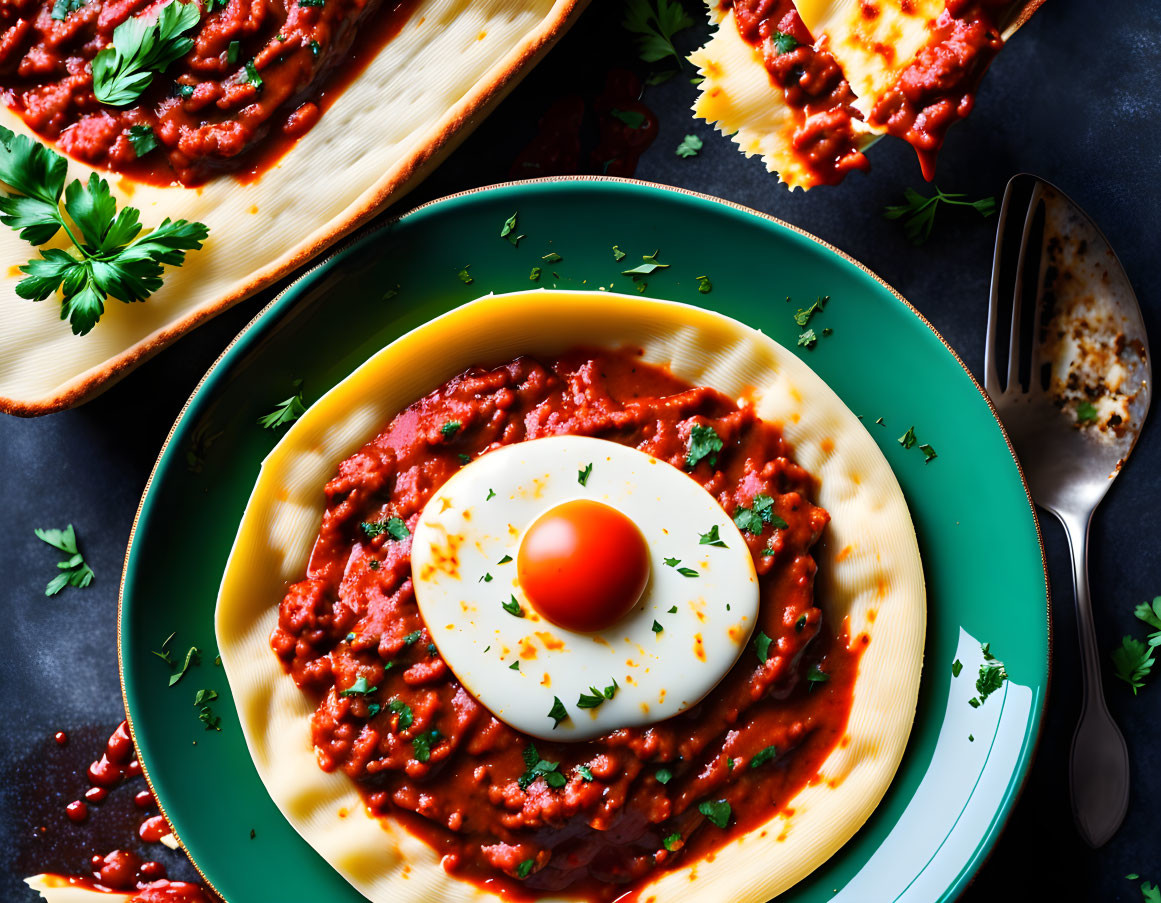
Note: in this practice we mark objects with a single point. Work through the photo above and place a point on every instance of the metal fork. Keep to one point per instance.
(1069, 459)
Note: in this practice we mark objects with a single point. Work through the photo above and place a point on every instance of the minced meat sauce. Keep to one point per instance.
(630, 804)
(259, 75)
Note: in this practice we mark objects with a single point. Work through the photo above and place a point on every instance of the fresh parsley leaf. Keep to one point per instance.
(590, 700)
(123, 70)
(816, 676)
(618, 254)
(62, 8)
(803, 317)
(992, 675)
(508, 230)
(704, 285)
(760, 513)
(412, 638)
(800, 624)
(552, 257)
(515, 666)
(907, 440)
(610, 691)
(672, 841)
(1151, 615)
(647, 268)
(73, 569)
(487, 578)
(449, 429)
(762, 646)
(288, 410)
(657, 628)
(687, 572)
(1133, 660)
(672, 609)
(524, 869)
(165, 654)
(395, 527)
(252, 75)
(421, 744)
(663, 775)
(232, 51)
(807, 339)
(558, 712)
(711, 538)
(956, 668)
(464, 276)
(205, 713)
(783, 42)
(403, 710)
(689, 147)
(111, 258)
(585, 773)
(918, 212)
(204, 696)
(653, 27)
(505, 559)
(763, 756)
(929, 454)
(534, 276)
(1086, 412)
(583, 475)
(192, 657)
(359, 688)
(513, 607)
(631, 118)
(142, 139)
(704, 444)
(1150, 893)
(717, 811)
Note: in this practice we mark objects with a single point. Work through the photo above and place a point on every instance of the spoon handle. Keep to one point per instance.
(1099, 763)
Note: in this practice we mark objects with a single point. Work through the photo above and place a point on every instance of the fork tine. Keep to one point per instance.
(991, 375)
(1014, 337)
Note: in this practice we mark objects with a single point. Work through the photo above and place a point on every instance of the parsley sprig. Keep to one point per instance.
(536, 767)
(758, 515)
(110, 258)
(288, 410)
(918, 212)
(1133, 661)
(123, 70)
(653, 28)
(73, 570)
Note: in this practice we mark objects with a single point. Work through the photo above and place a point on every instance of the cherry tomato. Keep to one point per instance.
(583, 565)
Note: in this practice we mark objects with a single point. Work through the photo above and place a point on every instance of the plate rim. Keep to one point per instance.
(986, 845)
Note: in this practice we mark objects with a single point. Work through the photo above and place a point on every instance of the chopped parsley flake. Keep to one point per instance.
(464, 457)
(583, 475)
(762, 646)
(142, 139)
(647, 268)
(991, 677)
(673, 609)
(711, 538)
(464, 276)
(802, 318)
(928, 453)
(618, 254)
(558, 712)
(816, 676)
(395, 527)
(763, 756)
(422, 744)
(359, 688)
(758, 515)
(783, 42)
(956, 668)
(505, 559)
(73, 569)
(807, 339)
(535, 767)
(288, 410)
(657, 628)
(631, 118)
(192, 657)
(524, 869)
(663, 775)
(487, 578)
(704, 444)
(1086, 412)
(552, 257)
(800, 624)
(907, 440)
(412, 638)
(534, 276)
(513, 607)
(374, 564)
(590, 700)
(252, 75)
(515, 666)
(449, 429)
(704, 285)
(508, 230)
(491, 495)
(717, 811)
(671, 841)
(689, 147)
(232, 51)
(403, 710)
(585, 773)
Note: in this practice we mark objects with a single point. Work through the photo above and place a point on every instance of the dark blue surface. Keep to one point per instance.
(1076, 98)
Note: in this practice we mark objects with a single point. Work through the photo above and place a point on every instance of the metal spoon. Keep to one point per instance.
(1076, 394)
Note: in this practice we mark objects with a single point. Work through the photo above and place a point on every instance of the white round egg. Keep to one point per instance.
(686, 630)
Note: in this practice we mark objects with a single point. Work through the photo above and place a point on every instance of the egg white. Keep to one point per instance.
(479, 517)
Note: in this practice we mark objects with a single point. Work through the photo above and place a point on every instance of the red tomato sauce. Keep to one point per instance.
(938, 88)
(354, 616)
(207, 114)
(814, 86)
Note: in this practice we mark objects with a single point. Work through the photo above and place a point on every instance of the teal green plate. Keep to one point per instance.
(977, 529)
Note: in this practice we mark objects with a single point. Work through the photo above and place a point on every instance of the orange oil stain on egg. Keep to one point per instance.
(736, 634)
(527, 649)
(629, 663)
(827, 446)
(445, 557)
(644, 708)
(843, 554)
(629, 680)
(467, 514)
(661, 698)
(512, 531)
(445, 505)
(551, 643)
(699, 647)
(600, 641)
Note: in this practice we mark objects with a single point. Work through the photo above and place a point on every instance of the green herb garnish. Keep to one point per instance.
(671, 841)
(631, 118)
(524, 869)
(807, 339)
(585, 773)
(762, 646)
(653, 27)
(558, 712)
(552, 257)
(62, 8)
(689, 147)
(288, 410)
(717, 811)
(505, 559)
(763, 756)
(534, 276)
(816, 676)
(704, 285)
(704, 443)
(663, 775)
(142, 140)
(464, 276)
(359, 688)
(647, 268)
(918, 212)
(657, 628)
(513, 607)
(1133, 661)
(711, 538)
(760, 513)
(956, 668)
(123, 70)
(583, 475)
(395, 527)
(618, 254)
(783, 42)
(192, 657)
(74, 571)
(403, 710)
(421, 745)
(1086, 412)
